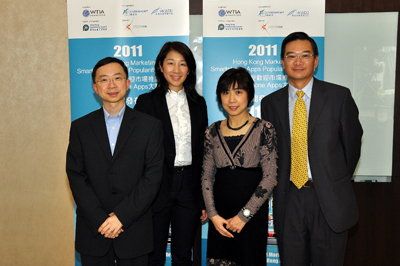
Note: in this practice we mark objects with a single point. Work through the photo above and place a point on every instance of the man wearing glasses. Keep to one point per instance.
(319, 142)
(114, 166)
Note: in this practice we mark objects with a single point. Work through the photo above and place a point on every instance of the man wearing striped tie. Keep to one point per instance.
(319, 142)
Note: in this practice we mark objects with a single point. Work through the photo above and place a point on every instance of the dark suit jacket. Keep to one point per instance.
(334, 143)
(154, 103)
(125, 183)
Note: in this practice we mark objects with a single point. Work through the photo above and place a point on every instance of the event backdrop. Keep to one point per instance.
(133, 31)
(236, 33)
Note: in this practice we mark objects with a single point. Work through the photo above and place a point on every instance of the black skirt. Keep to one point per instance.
(232, 190)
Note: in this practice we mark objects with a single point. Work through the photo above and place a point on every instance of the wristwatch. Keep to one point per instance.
(246, 213)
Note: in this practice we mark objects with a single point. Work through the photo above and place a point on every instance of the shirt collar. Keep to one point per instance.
(307, 90)
(177, 94)
(120, 114)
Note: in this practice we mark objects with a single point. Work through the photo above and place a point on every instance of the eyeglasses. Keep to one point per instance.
(107, 80)
(301, 56)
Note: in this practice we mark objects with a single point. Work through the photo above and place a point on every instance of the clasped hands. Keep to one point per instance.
(234, 224)
(111, 227)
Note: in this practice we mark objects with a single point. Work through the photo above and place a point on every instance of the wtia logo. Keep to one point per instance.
(85, 13)
(96, 12)
(233, 12)
(221, 13)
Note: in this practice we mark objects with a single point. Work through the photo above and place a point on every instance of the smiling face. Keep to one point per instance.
(175, 70)
(299, 62)
(235, 101)
(111, 84)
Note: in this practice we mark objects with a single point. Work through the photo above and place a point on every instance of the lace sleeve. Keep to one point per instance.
(268, 162)
(208, 174)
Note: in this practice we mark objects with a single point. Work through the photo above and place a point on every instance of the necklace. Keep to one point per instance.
(236, 128)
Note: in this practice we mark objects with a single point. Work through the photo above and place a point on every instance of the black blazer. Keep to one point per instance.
(334, 143)
(125, 183)
(154, 103)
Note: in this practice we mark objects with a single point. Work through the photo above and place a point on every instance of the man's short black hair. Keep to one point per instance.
(106, 61)
(299, 35)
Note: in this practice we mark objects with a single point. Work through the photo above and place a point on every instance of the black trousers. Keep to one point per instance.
(181, 212)
(110, 259)
(307, 238)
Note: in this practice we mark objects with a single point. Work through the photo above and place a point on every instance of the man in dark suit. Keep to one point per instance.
(183, 114)
(314, 201)
(114, 167)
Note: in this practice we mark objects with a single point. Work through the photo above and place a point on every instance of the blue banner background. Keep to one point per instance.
(84, 53)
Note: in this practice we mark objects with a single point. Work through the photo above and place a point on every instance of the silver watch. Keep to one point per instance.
(246, 213)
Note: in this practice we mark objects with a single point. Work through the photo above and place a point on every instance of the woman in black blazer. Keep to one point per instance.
(183, 113)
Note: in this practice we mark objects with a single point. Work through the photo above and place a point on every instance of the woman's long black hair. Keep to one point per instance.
(190, 83)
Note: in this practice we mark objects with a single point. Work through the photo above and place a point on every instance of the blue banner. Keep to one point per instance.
(138, 53)
(259, 55)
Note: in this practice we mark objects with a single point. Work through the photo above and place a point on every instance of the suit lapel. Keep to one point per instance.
(162, 110)
(193, 118)
(100, 131)
(316, 105)
(124, 131)
(283, 106)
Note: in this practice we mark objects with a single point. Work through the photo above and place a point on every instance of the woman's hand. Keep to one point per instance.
(203, 217)
(219, 224)
(235, 224)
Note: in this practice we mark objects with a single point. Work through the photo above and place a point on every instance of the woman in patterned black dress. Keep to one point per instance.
(239, 173)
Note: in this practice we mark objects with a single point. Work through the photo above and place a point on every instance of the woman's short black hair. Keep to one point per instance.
(239, 76)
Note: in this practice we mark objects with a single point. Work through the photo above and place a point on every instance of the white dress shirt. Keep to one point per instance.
(178, 109)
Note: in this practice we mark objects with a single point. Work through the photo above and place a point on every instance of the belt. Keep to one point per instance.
(178, 169)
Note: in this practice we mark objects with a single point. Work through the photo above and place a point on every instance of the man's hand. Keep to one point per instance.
(235, 224)
(112, 227)
(219, 223)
